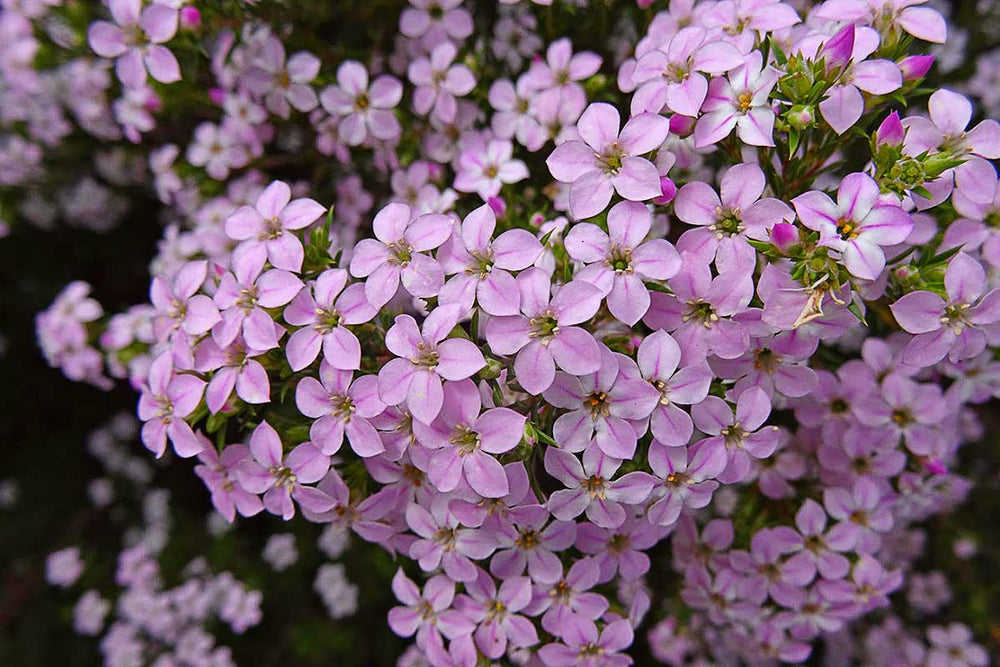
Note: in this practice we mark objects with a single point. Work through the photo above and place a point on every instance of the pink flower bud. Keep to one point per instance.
(498, 205)
(644, 4)
(190, 18)
(890, 132)
(934, 465)
(915, 67)
(839, 48)
(217, 95)
(783, 236)
(682, 125)
(668, 190)
(152, 103)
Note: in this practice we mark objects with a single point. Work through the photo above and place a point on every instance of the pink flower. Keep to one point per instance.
(283, 478)
(495, 613)
(602, 405)
(950, 114)
(726, 223)
(166, 400)
(466, 440)
(244, 294)
(605, 161)
(739, 101)
(561, 67)
(424, 358)
(441, 543)
(234, 367)
(178, 306)
(582, 648)
(135, 39)
(671, 76)
(363, 110)
(544, 335)
(481, 264)
(924, 23)
(525, 542)
(741, 433)
(435, 20)
(428, 613)
(341, 406)
(218, 471)
(590, 488)
(658, 358)
(439, 82)
(687, 475)
(844, 104)
(270, 221)
(618, 264)
(484, 168)
(857, 226)
(396, 254)
(282, 83)
(954, 327)
(324, 310)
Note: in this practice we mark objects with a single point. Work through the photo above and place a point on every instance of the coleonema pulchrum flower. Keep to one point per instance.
(629, 328)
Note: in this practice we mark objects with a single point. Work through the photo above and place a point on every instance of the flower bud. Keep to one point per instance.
(644, 4)
(839, 48)
(890, 132)
(681, 125)
(498, 205)
(783, 236)
(915, 67)
(668, 191)
(491, 370)
(801, 116)
(217, 95)
(190, 18)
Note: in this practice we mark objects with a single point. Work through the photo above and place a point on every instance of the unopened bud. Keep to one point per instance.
(784, 236)
(890, 132)
(681, 125)
(190, 18)
(801, 116)
(668, 190)
(915, 67)
(498, 205)
(491, 370)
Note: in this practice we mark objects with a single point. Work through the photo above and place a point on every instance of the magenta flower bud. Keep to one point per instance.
(217, 95)
(839, 48)
(784, 235)
(890, 132)
(435, 170)
(915, 67)
(190, 18)
(668, 190)
(498, 205)
(682, 125)
(152, 103)
(934, 465)
(536, 219)
(800, 116)
(644, 4)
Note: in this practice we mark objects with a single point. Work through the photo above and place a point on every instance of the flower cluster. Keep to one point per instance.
(729, 299)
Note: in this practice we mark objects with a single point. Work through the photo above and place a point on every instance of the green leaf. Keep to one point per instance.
(855, 308)
(793, 141)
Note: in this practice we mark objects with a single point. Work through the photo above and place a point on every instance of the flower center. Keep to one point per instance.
(702, 311)
(427, 356)
(727, 223)
(847, 228)
(528, 539)
(342, 406)
(734, 435)
(446, 538)
(283, 476)
(620, 259)
(465, 439)
(743, 101)
(544, 326)
(400, 252)
(597, 405)
(272, 230)
(247, 299)
(611, 158)
(327, 320)
(595, 486)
